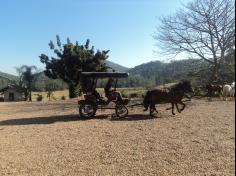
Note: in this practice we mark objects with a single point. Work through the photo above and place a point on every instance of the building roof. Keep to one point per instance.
(13, 86)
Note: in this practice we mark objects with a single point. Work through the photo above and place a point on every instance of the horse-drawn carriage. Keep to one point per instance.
(92, 99)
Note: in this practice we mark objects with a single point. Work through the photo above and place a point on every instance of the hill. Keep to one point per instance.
(156, 73)
(149, 74)
(197, 71)
(7, 76)
(117, 67)
(6, 79)
(42, 79)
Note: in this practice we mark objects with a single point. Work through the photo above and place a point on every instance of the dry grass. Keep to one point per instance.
(48, 138)
(126, 92)
(57, 95)
(136, 92)
(164, 86)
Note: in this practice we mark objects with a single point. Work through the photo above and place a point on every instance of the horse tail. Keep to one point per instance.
(146, 100)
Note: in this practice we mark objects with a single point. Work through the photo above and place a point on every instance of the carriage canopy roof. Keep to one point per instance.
(105, 74)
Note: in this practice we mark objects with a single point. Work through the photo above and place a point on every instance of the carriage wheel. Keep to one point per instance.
(87, 110)
(121, 111)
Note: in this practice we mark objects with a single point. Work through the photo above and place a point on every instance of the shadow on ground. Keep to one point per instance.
(43, 120)
(134, 117)
(67, 118)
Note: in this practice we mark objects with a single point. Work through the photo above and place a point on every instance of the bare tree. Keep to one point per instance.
(203, 29)
(50, 88)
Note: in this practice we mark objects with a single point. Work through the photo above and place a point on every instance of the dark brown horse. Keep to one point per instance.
(173, 95)
(212, 88)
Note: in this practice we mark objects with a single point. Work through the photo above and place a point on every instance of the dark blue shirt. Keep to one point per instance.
(107, 87)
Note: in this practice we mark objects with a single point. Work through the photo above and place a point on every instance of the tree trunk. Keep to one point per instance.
(30, 95)
(215, 76)
(72, 92)
(26, 94)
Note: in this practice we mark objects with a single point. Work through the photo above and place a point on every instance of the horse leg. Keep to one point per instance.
(210, 95)
(151, 110)
(220, 93)
(172, 104)
(224, 96)
(154, 107)
(183, 105)
(177, 108)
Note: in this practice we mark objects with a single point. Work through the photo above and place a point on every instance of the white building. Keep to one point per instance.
(12, 93)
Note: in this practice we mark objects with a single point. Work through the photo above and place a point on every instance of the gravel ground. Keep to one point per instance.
(49, 139)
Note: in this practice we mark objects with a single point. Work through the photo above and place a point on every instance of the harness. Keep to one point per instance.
(174, 91)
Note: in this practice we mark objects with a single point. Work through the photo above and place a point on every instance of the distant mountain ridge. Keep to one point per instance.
(8, 76)
(116, 67)
(146, 75)
(156, 72)
(6, 79)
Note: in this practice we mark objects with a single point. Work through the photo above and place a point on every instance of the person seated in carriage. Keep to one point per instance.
(89, 88)
(97, 95)
(110, 93)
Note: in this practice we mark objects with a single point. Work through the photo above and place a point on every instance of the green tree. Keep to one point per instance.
(70, 60)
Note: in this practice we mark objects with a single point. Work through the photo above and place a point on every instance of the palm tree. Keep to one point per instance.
(29, 76)
(19, 71)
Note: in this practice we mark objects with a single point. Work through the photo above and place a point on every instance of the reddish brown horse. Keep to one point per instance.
(174, 95)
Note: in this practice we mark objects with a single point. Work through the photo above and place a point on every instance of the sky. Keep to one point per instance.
(125, 27)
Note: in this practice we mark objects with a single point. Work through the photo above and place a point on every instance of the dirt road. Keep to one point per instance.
(49, 139)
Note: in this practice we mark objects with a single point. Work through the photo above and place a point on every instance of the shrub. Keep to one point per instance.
(199, 91)
(134, 95)
(39, 97)
(1, 99)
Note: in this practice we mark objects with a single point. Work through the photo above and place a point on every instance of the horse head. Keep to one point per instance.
(233, 85)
